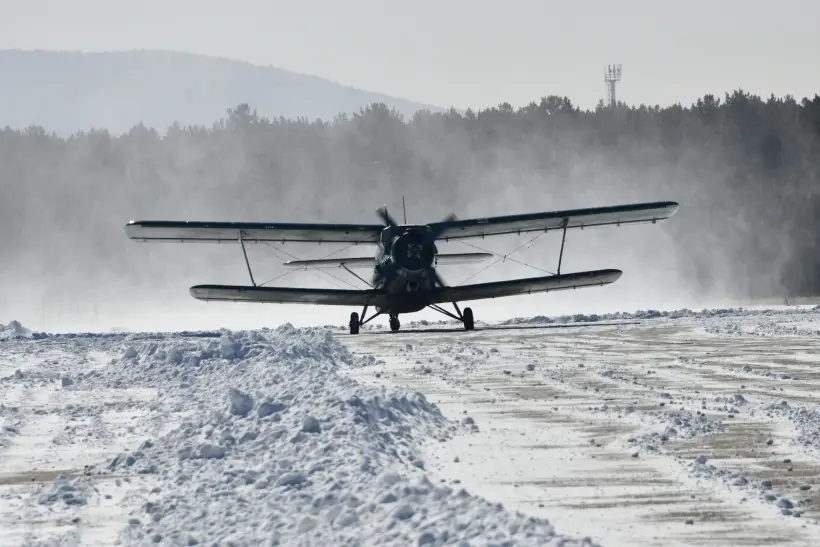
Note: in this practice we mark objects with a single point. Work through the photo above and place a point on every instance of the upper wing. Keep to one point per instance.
(575, 218)
(283, 295)
(514, 287)
(252, 232)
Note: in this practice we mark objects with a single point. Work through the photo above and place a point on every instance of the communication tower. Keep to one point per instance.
(612, 75)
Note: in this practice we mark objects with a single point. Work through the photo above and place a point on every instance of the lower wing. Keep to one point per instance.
(282, 295)
(529, 285)
(370, 297)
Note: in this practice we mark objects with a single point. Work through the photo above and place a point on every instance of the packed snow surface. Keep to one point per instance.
(647, 428)
(229, 438)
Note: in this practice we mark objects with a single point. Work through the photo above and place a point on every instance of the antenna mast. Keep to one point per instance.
(404, 209)
(612, 75)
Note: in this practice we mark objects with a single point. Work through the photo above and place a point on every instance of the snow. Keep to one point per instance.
(652, 428)
(669, 430)
(246, 438)
(13, 330)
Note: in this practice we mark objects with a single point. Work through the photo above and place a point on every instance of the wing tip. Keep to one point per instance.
(130, 228)
(611, 275)
(196, 290)
(604, 276)
(672, 206)
(206, 292)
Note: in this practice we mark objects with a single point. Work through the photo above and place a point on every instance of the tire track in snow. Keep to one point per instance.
(622, 378)
(61, 431)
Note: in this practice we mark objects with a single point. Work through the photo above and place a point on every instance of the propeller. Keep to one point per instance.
(428, 240)
(385, 216)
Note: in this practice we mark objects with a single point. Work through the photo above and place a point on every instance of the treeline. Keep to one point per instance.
(746, 171)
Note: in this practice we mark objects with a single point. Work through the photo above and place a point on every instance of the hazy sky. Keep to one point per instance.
(463, 53)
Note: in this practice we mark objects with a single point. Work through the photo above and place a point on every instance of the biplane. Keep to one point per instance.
(404, 276)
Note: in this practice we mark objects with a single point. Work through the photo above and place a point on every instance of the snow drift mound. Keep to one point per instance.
(796, 313)
(14, 330)
(278, 447)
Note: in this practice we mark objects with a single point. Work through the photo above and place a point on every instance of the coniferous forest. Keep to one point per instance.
(745, 169)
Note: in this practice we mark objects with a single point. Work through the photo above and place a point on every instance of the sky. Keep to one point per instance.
(463, 53)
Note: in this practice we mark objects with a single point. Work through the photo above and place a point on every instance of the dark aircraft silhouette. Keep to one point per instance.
(404, 279)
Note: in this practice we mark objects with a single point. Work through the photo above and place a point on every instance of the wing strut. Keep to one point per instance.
(245, 254)
(563, 240)
(357, 276)
(363, 321)
(451, 315)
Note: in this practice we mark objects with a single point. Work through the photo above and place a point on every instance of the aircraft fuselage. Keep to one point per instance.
(405, 268)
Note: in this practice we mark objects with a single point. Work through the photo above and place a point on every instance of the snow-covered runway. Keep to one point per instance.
(691, 429)
(694, 430)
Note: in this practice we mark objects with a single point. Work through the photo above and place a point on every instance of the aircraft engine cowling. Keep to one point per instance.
(412, 251)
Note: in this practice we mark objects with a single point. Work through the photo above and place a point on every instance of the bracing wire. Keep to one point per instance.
(503, 257)
(500, 258)
(337, 278)
(331, 282)
(276, 278)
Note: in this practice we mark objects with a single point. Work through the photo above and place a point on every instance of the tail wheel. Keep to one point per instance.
(354, 323)
(467, 317)
(394, 323)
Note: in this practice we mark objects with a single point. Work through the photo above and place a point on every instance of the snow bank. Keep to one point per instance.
(14, 330)
(721, 314)
(620, 316)
(786, 325)
(278, 447)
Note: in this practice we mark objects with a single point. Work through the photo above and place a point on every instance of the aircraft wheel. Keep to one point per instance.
(394, 323)
(354, 323)
(468, 319)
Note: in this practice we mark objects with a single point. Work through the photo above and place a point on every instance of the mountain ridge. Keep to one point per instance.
(70, 91)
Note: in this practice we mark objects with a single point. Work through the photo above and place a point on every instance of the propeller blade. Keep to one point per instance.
(432, 235)
(440, 226)
(386, 218)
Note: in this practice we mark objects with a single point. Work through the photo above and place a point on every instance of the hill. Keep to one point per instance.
(69, 91)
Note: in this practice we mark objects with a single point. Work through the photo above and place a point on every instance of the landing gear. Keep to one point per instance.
(356, 322)
(466, 318)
